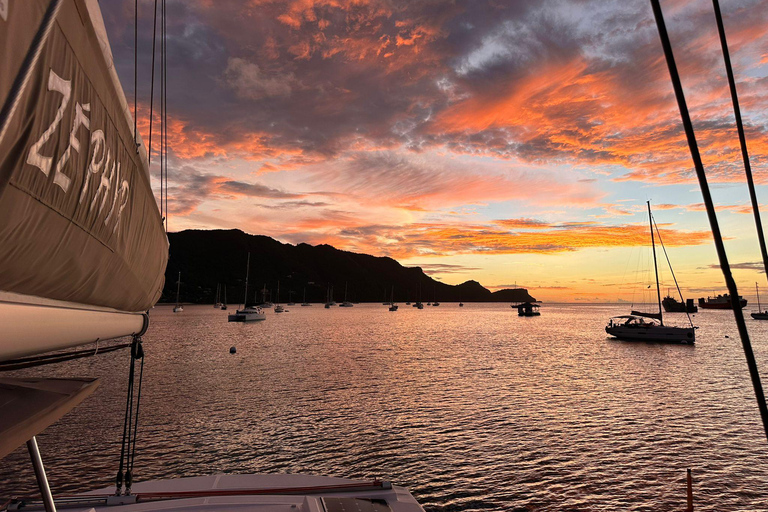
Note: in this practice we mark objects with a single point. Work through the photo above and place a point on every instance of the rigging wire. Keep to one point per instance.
(165, 108)
(152, 104)
(162, 106)
(672, 270)
(742, 137)
(711, 214)
(135, 71)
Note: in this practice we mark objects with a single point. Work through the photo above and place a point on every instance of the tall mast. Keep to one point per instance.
(247, 271)
(759, 309)
(655, 266)
(178, 287)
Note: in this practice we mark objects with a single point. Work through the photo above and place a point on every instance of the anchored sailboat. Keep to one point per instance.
(346, 303)
(178, 308)
(279, 307)
(760, 315)
(248, 313)
(640, 326)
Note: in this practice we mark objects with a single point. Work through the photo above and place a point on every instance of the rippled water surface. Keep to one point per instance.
(471, 408)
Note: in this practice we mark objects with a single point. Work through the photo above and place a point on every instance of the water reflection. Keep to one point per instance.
(471, 408)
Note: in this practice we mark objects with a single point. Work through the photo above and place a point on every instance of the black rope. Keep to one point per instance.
(714, 226)
(129, 476)
(126, 421)
(742, 137)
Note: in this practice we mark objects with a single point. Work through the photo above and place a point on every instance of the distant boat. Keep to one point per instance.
(178, 308)
(224, 304)
(461, 304)
(672, 305)
(290, 299)
(392, 306)
(434, 297)
(408, 303)
(527, 309)
(248, 313)
(720, 302)
(304, 300)
(278, 307)
(217, 301)
(346, 303)
(760, 315)
(650, 326)
(329, 297)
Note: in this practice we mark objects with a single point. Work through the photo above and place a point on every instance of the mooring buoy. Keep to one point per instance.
(232, 350)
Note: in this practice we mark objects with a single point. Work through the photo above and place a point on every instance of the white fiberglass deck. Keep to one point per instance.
(263, 493)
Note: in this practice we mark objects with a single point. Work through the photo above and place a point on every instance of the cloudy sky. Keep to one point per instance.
(511, 142)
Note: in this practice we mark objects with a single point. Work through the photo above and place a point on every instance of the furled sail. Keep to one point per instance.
(82, 246)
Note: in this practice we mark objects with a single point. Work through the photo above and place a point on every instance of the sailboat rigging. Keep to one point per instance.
(760, 315)
(635, 327)
(248, 313)
(178, 308)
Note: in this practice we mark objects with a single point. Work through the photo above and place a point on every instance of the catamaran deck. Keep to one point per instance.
(262, 493)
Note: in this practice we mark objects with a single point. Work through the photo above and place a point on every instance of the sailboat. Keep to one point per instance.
(248, 313)
(346, 303)
(290, 299)
(760, 315)
(217, 300)
(392, 305)
(304, 299)
(178, 308)
(224, 304)
(639, 326)
(278, 307)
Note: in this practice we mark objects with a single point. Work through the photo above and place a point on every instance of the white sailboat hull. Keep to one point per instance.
(32, 325)
(247, 315)
(655, 333)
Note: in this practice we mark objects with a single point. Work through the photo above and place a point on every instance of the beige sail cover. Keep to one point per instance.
(78, 220)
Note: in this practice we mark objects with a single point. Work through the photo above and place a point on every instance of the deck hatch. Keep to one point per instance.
(355, 505)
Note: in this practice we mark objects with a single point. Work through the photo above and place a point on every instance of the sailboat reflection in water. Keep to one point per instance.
(640, 326)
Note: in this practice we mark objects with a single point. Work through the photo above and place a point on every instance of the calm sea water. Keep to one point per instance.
(471, 408)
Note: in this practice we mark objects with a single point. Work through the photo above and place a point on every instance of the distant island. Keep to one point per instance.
(207, 258)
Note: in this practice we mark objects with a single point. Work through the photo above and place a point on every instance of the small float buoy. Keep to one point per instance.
(232, 350)
(727, 336)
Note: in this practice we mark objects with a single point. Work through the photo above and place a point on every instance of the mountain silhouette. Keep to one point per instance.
(207, 258)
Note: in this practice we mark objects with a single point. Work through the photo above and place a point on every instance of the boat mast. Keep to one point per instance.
(247, 270)
(759, 309)
(178, 287)
(655, 266)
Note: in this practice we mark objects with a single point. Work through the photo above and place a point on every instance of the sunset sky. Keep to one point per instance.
(511, 142)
